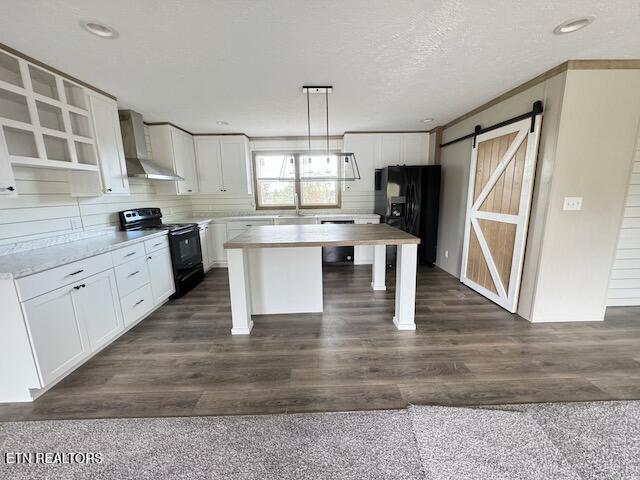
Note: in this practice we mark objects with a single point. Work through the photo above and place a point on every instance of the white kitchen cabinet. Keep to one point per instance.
(137, 305)
(204, 245)
(174, 149)
(223, 163)
(217, 238)
(234, 160)
(363, 254)
(59, 340)
(208, 164)
(108, 137)
(69, 323)
(97, 306)
(415, 148)
(161, 274)
(55, 319)
(366, 148)
(7, 180)
(379, 150)
(391, 150)
(404, 149)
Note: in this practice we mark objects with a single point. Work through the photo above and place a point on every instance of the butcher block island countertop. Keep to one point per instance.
(327, 235)
(277, 269)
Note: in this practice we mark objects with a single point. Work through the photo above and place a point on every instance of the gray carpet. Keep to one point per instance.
(463, 443)
(360, 445)
(601, 439)
(549, 441)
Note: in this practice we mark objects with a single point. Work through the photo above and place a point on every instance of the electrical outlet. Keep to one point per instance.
(446, 254)
(572, 203)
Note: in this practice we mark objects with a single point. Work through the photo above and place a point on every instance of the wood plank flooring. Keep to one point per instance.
(183, 361)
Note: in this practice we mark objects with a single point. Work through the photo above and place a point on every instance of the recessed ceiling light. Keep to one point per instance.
(222, 122)
(427, 120)
(98, 29)
(573, 25)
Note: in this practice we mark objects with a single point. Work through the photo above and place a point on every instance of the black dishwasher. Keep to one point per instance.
(337, 255)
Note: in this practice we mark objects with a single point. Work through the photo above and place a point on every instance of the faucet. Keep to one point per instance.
(297, 202)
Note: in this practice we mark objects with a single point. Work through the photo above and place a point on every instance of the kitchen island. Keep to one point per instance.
(278, 269)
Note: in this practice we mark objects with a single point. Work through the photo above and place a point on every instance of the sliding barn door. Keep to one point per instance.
(503, 164)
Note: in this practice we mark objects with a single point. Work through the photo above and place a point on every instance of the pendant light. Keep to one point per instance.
(348, 170)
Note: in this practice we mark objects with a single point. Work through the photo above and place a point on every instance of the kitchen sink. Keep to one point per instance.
(303, 219)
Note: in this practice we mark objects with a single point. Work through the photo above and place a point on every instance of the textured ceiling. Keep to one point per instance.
(391, 62)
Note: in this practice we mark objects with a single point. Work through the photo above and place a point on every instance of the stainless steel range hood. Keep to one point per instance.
(139, 164)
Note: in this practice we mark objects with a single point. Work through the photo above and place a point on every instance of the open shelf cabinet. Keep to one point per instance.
(44, 118)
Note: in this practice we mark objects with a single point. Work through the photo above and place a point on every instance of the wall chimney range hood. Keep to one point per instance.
(139, 165)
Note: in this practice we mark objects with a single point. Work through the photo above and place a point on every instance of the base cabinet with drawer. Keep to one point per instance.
(69, 323)
(137, 304)
(57, 336)
(56, 319)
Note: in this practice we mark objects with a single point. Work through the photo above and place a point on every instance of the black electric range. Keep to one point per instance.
(184, 245)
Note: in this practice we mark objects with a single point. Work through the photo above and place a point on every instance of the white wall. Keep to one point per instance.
(596, 144)
(624, 285)
(352, 202)
(45, 208)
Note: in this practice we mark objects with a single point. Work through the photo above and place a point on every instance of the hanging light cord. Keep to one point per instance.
(308, 121)
(326, 101)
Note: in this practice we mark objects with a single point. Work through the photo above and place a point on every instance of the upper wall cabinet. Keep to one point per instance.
(379, 150)
(7, 180)
(173, 149)
(367, 150)
(224, 164)
(44, 117)
(113, 167)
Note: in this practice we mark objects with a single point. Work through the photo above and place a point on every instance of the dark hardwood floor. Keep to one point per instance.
(183, 361)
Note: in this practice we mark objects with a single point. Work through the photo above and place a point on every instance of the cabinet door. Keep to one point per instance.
(204, 245)
(98, 308)
(208, 164)
(217, 237)
(367, 151)
(161, 273)
(414, 148)
(185, 160)
(233, 160)
(58, 339)
(106, 125)
(7, 181)
(391, 149)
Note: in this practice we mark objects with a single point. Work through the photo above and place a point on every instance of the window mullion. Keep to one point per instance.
(298, 182)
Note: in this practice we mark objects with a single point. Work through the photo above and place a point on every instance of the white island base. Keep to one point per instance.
(275, 280)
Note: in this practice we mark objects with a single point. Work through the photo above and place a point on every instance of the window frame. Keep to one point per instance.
(296, 154)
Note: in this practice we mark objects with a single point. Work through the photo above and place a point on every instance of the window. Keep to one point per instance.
(312, 176)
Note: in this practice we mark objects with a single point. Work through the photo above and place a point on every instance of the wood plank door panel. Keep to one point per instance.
(501, 176)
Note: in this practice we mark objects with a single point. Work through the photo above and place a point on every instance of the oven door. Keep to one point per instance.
(185, 249)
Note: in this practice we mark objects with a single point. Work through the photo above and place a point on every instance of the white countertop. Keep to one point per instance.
(224, 217)
(28, 262)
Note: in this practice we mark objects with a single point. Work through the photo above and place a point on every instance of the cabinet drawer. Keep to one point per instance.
(127, 254)
(248, 223)
(43, 282)
(157, 243)
(132, 275)
(137, 304)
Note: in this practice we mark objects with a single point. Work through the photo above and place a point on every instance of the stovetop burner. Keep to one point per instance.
(149, 219)
(172, 227)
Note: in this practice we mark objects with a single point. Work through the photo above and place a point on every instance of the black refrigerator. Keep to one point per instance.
(408, 197)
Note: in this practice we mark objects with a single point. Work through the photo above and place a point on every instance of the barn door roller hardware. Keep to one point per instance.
(536, 109)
